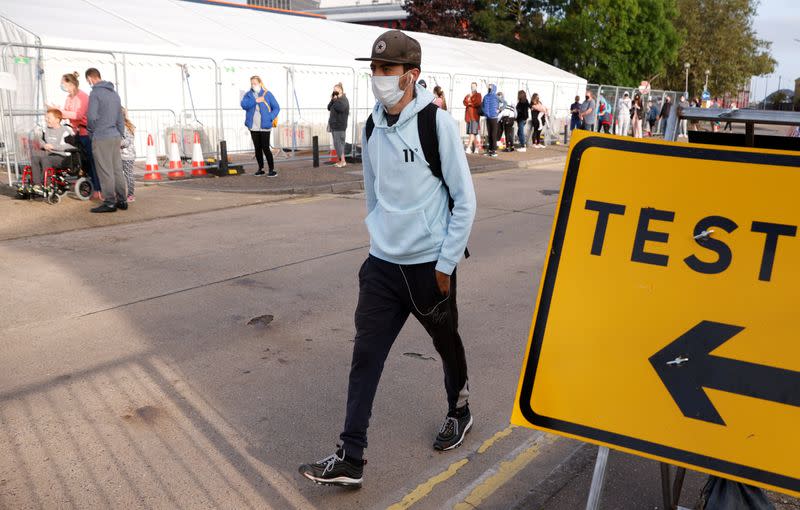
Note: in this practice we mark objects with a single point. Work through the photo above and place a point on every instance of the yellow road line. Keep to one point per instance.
(426, 487)
(505, 472)
(492, 440)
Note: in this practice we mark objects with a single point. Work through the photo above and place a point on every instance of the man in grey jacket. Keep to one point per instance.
(106, 126)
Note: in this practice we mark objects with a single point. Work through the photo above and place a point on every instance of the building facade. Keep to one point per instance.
(381, 13)
(289, 5)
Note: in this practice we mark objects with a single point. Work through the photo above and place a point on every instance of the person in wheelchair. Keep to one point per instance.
(52, 151)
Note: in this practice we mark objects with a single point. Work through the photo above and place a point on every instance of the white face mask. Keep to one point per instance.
(256, 89)
(387, 90)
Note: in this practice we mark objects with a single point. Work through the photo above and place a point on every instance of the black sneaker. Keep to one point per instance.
(272, 173)
(103, 208)
(259, 172)
(335, 470)
(455, 427)
(122, 206)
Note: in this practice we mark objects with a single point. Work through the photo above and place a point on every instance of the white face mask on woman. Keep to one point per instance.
(387, 90)
(256, 89)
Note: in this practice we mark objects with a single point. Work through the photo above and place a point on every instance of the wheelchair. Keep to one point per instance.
(69, 176)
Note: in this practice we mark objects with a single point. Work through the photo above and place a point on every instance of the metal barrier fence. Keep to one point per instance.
(151, 122)
(612, 94)
(297, 126)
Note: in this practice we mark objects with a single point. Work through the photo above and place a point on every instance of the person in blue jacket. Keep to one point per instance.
(417, 240)
(261, 109)
(491, 109)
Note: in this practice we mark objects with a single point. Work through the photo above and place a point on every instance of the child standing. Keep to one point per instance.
(128, 150)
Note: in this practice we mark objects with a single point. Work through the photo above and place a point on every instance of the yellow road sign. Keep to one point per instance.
(665, 321)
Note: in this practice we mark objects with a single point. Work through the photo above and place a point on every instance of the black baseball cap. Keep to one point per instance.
(396, 47)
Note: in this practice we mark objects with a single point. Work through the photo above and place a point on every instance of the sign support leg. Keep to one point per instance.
(598, 479)
(671, 492)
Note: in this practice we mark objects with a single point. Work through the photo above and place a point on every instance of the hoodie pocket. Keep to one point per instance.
(400, 234)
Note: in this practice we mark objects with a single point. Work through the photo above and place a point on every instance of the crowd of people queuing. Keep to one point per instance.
(99, 125)
(501, 115)
(632, 116)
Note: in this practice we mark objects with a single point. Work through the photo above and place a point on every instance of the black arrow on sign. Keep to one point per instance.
(686, 366)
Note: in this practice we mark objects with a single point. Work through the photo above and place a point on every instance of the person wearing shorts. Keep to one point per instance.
(472, 116)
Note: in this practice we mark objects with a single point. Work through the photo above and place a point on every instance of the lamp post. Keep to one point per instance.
(705, 87)
(686, 66)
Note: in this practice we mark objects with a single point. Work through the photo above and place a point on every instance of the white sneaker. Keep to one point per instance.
(466, 150)
(522, 149)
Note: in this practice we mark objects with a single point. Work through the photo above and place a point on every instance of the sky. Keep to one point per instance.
(778, 21)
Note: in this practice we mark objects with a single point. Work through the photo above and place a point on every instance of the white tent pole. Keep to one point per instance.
(218, 107)
(450, 98)
(124, 77)
(354, 114)
(40, 77)
(8, 134)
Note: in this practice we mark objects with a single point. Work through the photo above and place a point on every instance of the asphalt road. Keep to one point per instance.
(133, 375)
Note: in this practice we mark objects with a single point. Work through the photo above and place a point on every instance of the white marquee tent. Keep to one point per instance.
(185, 62)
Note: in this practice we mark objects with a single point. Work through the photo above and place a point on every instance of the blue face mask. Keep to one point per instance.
(64, 88)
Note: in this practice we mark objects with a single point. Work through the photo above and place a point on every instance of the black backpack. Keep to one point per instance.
(429, 139)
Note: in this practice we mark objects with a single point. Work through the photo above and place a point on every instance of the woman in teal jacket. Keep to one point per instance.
(261, 109)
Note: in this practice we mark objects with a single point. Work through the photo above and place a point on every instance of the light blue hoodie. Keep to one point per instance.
(408, 217)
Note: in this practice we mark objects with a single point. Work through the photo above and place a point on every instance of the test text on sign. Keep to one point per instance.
(645, 232)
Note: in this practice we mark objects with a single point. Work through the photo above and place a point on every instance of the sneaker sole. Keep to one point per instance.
(460, 441)
(341, 481)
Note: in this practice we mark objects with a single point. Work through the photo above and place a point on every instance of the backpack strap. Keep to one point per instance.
(370, 127)
(429, 139)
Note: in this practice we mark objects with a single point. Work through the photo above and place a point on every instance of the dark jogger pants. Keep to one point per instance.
(261, 146)
(383, 307)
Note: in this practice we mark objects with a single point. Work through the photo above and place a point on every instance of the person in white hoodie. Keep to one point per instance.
(420, 209)
(624, 115)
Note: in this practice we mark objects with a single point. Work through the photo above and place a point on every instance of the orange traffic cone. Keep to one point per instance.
(333, 157)
(175, 163)
(151, 172)
(198, 164)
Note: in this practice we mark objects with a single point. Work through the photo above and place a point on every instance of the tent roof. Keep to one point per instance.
(191, 28)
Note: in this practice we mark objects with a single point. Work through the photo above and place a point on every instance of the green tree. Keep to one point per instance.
(606, 41)
(518, 24)
(718, 36)
(452, 18)
(618, 42)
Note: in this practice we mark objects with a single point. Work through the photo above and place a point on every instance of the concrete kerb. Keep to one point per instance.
(478, 165)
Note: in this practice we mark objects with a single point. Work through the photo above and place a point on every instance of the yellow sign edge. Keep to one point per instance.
(517, 417)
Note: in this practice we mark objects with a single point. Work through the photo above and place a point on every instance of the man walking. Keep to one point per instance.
(588, 113)
(421, 205)
(472, 116)
(106, 126)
